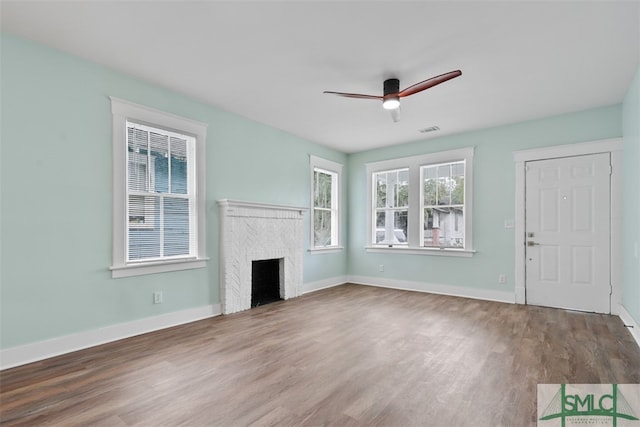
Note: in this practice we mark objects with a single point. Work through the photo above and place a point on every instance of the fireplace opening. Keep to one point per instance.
(265, 281)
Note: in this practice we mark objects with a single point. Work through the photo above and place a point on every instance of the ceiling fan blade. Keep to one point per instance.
(429, 83)
(354, 95)
(395, 114)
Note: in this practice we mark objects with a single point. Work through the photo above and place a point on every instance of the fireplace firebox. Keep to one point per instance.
(265, 281)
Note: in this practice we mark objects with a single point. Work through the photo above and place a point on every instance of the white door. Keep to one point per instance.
(567, 202)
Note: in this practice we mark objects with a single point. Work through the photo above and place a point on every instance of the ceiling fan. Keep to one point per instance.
(392, 93)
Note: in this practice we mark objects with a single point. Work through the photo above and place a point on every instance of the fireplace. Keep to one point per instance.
(265, 281)
(255, 232)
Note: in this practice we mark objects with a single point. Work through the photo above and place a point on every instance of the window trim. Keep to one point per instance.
(123, 111)
(414, 163)
(335, 168)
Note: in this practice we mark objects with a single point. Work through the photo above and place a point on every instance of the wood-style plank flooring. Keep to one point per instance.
(346, 356)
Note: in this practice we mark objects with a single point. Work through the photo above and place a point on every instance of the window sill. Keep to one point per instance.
(139, 269)
(325, 250)
(422, 251)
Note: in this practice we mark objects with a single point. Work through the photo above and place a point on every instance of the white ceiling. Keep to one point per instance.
(270, 61)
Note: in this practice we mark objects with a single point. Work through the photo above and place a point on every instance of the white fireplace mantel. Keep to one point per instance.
(258, 231)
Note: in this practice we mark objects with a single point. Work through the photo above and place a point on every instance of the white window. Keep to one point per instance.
(391, 206)
(443, 205)
(422, 204)
(158, 200)
(325, 204)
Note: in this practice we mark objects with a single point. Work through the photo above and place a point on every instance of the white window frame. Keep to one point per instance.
(123, 111)
(390, 230)
(424, 206)
(323, 165)
(414, 233)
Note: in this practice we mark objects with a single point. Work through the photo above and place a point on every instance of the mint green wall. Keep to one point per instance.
(631, 199)
(55, 217)
(494, 191)
(56, 195)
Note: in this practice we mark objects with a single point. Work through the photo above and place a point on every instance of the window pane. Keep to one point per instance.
(178, 176)
(429, 189)
(444, 171)
(322, 228)
(141, 211)
(400, 226)
(144, 230)
(457, 193)
(322, 189)
(381, 189)
(391, 227)
(428, 226)
(444, 185)
(159, 148)
(176, 226)
(137, 141)
(392, 188)
(137, 150)
(380, 226)
(147, 237)
(444, 227)
(402, 188)
(457, 169)
(178, 166)
(137, 172)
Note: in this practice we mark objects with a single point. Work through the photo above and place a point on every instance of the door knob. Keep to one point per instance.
(530, 243)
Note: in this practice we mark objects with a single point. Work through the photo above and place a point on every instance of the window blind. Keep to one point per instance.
(160, 194)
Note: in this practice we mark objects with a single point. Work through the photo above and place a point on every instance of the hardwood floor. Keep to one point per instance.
(346, 356)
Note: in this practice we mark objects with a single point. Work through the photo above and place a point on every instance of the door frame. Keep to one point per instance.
(612, 146)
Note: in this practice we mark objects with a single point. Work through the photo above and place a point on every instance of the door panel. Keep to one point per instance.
(568, 232)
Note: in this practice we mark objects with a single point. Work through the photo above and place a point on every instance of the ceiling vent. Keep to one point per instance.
(429, 129)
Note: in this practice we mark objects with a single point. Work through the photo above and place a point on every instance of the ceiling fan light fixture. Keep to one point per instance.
(392, 93)
(391, 89)
(391, 103)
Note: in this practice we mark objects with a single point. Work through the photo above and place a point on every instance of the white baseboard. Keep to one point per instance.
(459, 291)
(324, 284)
(28, 353)
(41, 350)
(628, 320)
(433, 288)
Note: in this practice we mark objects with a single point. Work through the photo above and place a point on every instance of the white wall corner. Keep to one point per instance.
(33, 352)
(324, 284)
(434, 288)
(630, 323)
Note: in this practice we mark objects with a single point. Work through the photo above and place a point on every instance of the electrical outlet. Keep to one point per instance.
(381, 267)
(502, 278)
(157, 297)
